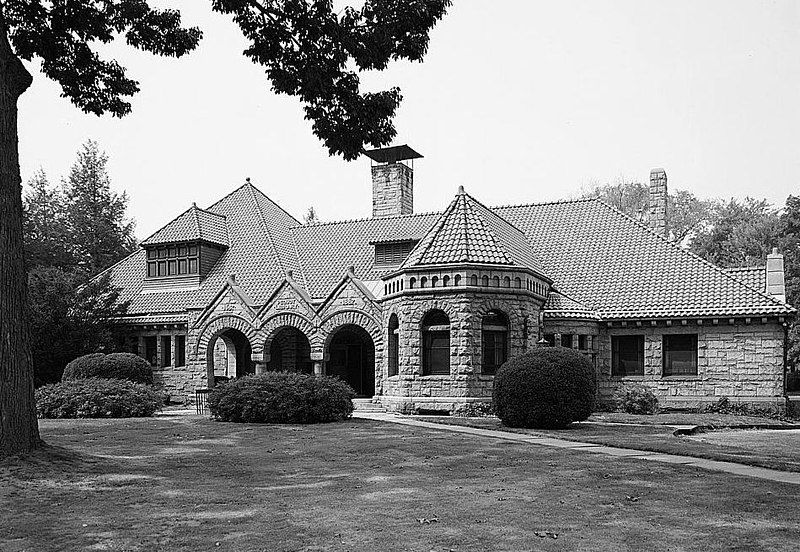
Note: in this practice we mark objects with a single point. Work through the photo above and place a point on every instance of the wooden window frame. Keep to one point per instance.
(616, 363)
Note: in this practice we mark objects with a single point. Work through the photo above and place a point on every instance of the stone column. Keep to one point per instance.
(316, 358)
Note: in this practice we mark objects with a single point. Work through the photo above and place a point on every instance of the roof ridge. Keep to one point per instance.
(197, 220)
(554, 202)
(299, 261)
(688, 253)
(365, 219)
(738, 268)
(488, 231)
(277, 254)
(287, 213)
(122, 260)
(432, 232)
(165, 225)
(491, 209)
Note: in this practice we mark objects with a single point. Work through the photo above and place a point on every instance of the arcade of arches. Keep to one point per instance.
(350, 355)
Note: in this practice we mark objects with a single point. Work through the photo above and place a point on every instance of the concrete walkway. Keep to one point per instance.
(728, 467)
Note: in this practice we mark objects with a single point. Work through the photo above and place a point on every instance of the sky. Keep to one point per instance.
(519, 101)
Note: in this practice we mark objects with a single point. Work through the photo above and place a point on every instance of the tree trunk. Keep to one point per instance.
(19, 431)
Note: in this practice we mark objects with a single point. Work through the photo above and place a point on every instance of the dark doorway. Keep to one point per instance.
(352, 358)
(290, 351)
(229, 356)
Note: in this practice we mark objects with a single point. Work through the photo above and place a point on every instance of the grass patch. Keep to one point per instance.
(774, 449)
(187, 483)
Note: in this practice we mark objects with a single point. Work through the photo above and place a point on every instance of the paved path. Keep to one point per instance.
(716, 465)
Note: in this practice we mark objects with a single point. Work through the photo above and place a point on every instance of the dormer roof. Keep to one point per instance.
(194, 224)
(467, 232)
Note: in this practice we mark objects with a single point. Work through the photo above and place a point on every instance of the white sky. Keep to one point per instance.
(519, 101)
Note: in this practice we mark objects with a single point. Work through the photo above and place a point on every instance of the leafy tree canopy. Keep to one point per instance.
(741, 233)
(686, 212)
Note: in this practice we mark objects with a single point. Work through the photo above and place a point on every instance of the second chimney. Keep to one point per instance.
(657, 204)
(776, 283)
(392, 181)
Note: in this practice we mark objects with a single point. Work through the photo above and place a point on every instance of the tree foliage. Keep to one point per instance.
(69, 318)
(687, 214)
(315, 53)
(99, 233)
(741, 233)
(44, 225)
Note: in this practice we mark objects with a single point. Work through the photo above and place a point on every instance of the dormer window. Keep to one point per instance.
(392, 253)
(173, 260)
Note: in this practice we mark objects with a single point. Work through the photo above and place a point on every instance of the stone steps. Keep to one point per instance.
(367, 405)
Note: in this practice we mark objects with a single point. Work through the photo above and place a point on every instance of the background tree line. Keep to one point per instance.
(730, 233)
(72, 231)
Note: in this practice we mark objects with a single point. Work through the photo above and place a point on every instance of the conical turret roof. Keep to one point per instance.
(468, 232)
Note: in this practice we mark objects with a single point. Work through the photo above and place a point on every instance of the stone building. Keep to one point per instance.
(420, 310)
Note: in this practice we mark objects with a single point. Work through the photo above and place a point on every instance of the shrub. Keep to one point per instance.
(282, 397)
(549, 387)
(725, 406)
(97, 398)
(125, 366)
(636, 399)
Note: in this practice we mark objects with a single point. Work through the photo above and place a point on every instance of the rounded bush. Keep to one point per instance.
(282, 397)
(636, 399)
(125, 366)
(549, 387)
(97, 398)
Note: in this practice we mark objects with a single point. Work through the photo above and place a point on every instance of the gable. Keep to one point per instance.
(287, 298)
(350, 294)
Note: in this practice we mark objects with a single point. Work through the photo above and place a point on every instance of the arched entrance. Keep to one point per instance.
(228, 356)
(351, 356)
(290, 351)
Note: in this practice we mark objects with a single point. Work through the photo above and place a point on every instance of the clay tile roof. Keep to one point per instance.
(621, 269)
(559, 305)
(469, 232)
(192, 225)
(753, 276)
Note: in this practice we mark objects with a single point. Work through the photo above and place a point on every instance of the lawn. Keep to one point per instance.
(778, 449)
(187, 484)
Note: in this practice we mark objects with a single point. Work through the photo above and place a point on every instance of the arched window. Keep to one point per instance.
(394, 345)
(446, 281)
(435, 344)
(473, 280)
(494, 337)
(507, 282)
(412, 282)
(434, 281)
(457, 280)
(517, 283)
(485, 281)
(423, 281)
(496, 281)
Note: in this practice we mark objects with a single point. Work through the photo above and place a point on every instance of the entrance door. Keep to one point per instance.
(352, 358)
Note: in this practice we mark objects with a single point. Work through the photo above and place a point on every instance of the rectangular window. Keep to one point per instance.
(172, 261)
(627, 355)
(566, 340)
(394, 352)
(495, 344)
(180, 350)
(151, 349)
(550, 339)
(680, 355)
(166, 351)
(436, 358)
(583, 342)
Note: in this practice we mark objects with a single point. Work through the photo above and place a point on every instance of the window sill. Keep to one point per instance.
(437, 376)
(680, 377)
(632, 378)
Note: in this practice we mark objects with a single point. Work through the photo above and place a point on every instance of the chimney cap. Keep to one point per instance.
(392, 154)
(461, 190)
(657, 171)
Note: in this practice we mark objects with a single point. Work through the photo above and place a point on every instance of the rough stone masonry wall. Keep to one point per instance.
(742, 362)
(410, 390)
(392, 190)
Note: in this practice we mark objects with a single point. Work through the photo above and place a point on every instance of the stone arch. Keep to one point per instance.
(351, 317)
(216, 326)
(276, 323)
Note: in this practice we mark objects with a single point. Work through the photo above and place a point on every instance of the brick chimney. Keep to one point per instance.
(657, 203)
(392, 181)
(776, 285)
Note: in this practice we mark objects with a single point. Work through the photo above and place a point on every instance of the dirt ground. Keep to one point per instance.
(189, 484)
